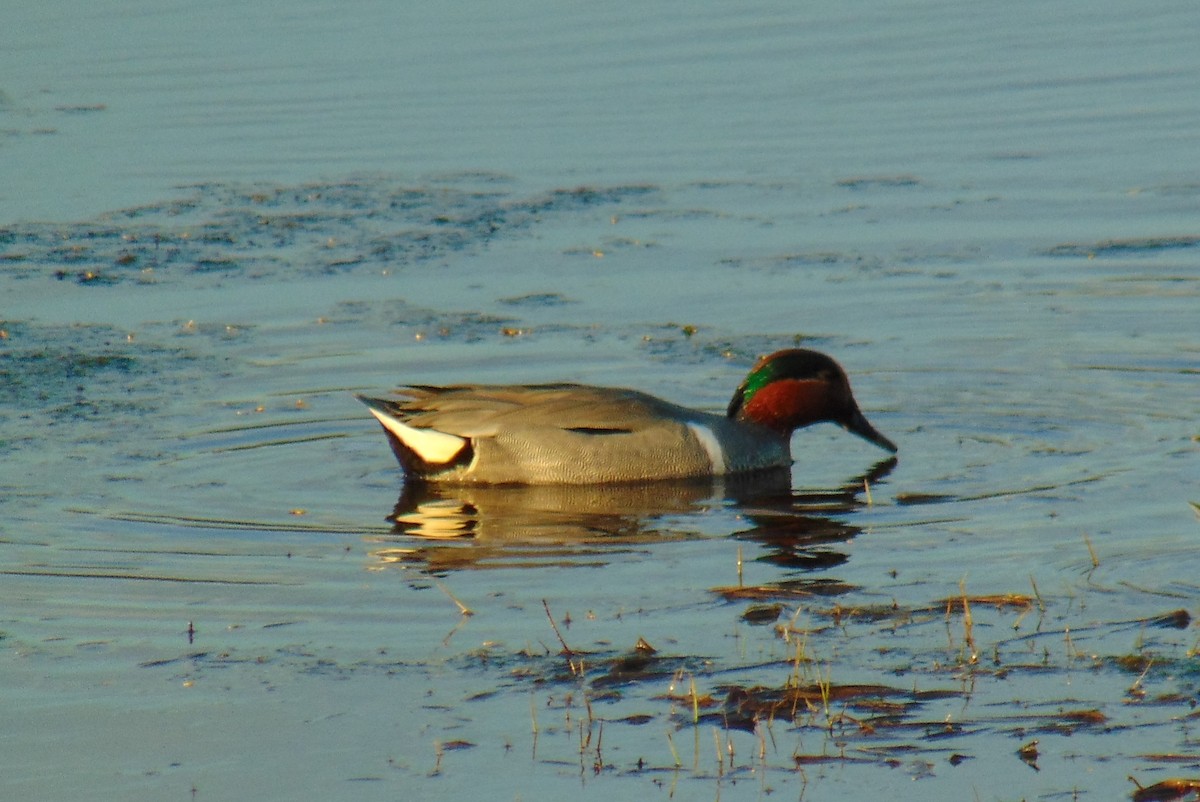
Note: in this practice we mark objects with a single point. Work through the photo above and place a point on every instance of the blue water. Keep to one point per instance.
(1056, 104)
(216, 222)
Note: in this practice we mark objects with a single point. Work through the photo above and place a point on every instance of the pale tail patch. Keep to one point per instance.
(716, 454)
(436, 448)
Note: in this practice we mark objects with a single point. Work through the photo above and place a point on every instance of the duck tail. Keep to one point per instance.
(421, 451)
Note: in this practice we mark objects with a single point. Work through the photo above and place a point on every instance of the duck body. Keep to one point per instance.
(581, 434)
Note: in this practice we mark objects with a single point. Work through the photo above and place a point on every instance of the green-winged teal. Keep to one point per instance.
(575, 434)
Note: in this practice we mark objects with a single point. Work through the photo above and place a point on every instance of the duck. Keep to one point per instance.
(573, 434)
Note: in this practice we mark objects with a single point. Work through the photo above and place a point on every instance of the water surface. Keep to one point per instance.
(215, 582)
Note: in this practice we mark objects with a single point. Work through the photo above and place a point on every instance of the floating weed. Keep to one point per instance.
(1036, 594)
(826, 689)
(566, 650)
(1070, 722)
(692, 698)
(800, 662)
(1166, 790)
(1122, 246)
(793, 694)
(971, 654)
(760, 614)
(1176, 619)
(1001, 600)
(1071, 652)
(745, 707)
(1136, 691)
(1029, 754)
(462, 608)
(1091, 551)
(674, 751)
(785, 589)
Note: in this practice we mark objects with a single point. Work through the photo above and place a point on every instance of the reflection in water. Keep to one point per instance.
(795, 527)
(440, 529)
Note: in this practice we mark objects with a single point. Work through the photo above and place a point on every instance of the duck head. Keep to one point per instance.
(791, 389)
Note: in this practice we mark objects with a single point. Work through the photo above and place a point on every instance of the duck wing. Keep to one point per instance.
(473, 411)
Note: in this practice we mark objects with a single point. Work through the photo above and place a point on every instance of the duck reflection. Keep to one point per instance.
(439, 528)
(795, 527)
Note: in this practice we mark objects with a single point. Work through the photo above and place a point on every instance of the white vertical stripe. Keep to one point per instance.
(716, 454)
